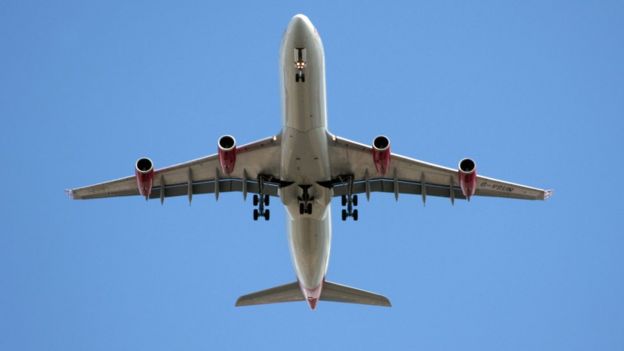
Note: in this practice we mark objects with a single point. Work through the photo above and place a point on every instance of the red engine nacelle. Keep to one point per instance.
(144, 172)
(381, 154)
(467, 172)
(227, 153)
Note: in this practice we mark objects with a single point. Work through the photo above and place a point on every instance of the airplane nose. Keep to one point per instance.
(300, 24)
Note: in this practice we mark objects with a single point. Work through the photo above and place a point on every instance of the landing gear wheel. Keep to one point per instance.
(343, 200)
(301, 208)
(267, 215)
(309, 208)
(355, 215)
(354, 200)
(302, 77)
(266, 200)
(255, 214)
(255, 200)
(344, 214)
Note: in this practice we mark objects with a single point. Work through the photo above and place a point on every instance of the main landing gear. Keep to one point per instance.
(261, 211)
(305, 200)
(349, 201)
(261, 200)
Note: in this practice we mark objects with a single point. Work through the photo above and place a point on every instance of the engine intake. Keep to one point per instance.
(467, 172)
(227, 153)
(381, 154)
(144, 173)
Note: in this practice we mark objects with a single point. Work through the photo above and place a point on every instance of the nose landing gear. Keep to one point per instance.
(300, 76)
(300, 64)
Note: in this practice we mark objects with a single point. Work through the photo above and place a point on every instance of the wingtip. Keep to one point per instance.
(548, 194)
(384, 302)
(70, 193)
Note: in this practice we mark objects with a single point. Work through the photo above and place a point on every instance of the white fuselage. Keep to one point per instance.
(305, 158)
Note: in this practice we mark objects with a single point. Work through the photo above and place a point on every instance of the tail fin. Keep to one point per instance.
(330, 292)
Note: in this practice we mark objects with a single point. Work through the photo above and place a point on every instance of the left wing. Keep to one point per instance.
(257, 162)
(354, 161)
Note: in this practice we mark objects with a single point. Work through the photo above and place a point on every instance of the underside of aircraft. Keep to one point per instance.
(305, 166)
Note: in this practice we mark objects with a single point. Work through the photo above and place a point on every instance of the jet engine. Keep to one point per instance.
(381, 154)
(467, 171)
(144, 172)
(227, 153)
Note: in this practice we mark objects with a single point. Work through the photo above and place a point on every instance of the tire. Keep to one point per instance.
(354, 200)
(255, 200)
(255, 214)
(344, 215)
(302, 77)
(355, 215)
(309, 208)
(301, 209)
(267, 215)
(344, 200)
(266, 200)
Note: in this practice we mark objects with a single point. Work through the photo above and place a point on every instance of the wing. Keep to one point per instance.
(254, 161)
(409, 176)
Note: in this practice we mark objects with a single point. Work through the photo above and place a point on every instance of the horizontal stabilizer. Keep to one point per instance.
(341, 293)
(330, 292)
(283, 293)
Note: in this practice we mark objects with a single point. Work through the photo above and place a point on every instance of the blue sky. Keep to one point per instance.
(531, 90)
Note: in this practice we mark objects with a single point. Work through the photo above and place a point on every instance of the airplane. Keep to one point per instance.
(305, 166)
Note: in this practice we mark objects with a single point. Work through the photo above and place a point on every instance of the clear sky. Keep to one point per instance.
(532, 90)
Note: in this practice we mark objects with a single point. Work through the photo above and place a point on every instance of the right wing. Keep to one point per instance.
(259, 159)
(410, 176)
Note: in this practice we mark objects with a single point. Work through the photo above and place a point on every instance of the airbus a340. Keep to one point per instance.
(305, 166)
